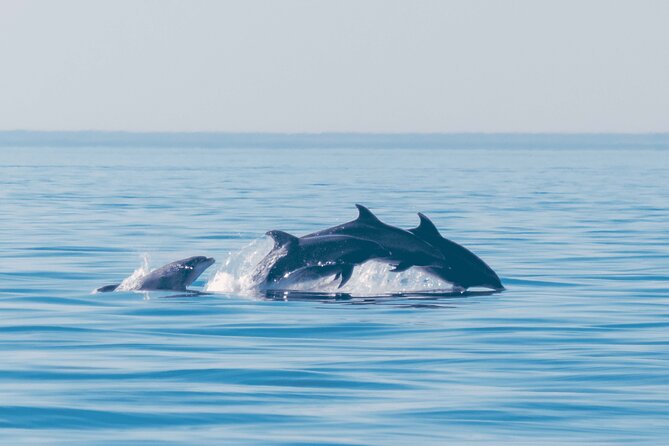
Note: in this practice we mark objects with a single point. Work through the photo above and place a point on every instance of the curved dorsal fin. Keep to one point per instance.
(426, 229)
(282, 238)
(366, 216)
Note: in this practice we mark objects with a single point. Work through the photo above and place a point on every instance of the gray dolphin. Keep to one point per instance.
(314, 257)
(461, 267)
(404, 249)
(175, 276)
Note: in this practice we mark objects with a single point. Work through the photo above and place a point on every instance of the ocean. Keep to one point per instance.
(574, 351)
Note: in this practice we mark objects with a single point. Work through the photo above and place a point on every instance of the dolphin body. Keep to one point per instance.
(404, 249)
(175, 276)
(461, 267)
(314, 257)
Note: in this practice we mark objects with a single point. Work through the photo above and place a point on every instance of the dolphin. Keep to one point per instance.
(461, 267)
(175, 276)
(404, 248)
(314, 257)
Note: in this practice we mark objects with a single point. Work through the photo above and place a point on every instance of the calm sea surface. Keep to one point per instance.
(576, 349)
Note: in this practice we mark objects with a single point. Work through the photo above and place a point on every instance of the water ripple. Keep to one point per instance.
(575, 351)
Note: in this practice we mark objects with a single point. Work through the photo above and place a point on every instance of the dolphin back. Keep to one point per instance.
(365, 220)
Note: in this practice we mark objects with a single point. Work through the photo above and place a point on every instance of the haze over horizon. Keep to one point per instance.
(353, 67)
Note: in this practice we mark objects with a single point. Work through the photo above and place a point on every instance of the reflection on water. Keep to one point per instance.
(432, 299)
(435, 295)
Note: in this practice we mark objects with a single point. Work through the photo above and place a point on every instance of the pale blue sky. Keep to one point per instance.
(314, 66)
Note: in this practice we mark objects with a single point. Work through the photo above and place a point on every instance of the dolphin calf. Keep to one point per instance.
(461, 267)
(404, 249)
(314, 257)
(175, 276)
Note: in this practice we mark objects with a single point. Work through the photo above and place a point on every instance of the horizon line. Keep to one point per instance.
(331, 140)
(338, 132)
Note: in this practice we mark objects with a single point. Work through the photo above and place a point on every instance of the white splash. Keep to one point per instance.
(370, 279)
(236, 271)
(373, 278)
(132, 282)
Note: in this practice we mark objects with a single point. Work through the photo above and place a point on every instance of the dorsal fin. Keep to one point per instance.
(107, 288)
(366, 216)
(282, 238)
(426, 229)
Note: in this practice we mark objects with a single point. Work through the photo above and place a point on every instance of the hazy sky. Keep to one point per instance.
(313, 66)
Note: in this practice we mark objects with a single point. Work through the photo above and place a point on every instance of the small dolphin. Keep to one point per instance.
(404, 248)
(314, 257)
(175, 276)
(462, 268)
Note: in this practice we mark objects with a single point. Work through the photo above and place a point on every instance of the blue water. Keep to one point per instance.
(575, 350)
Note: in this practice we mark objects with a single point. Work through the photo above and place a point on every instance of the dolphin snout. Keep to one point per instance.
(496, 283)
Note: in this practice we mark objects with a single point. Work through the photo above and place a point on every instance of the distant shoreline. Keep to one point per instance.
(26, 138)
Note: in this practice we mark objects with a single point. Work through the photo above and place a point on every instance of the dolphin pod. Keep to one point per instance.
(337, 250)
(175, 276)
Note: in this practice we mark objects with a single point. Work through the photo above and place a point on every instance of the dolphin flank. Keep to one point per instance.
(314, 257)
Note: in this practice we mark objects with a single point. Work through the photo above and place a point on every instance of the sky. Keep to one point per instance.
(335, 66)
